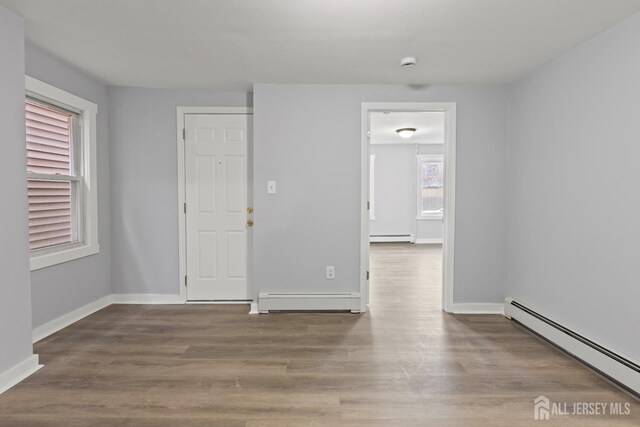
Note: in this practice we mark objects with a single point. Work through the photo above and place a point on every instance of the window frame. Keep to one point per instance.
(87, 169)
(420, 214)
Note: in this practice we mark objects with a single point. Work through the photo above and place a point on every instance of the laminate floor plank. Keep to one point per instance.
(405, 363)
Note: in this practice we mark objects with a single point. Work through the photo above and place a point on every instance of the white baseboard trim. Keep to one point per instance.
(475, 308)
(65, 320)
(254, 308)
(270, 301)
(392, 238)
(146, 299)
(428, 241)
(220, 302)
(19, 372)
(616, 366)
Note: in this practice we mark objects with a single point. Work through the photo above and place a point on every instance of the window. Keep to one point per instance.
(61, 175)
(54, 185)
(430, 186)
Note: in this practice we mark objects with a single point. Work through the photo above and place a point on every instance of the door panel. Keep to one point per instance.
(216, 196)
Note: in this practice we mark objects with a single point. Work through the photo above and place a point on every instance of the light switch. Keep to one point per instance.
(271, 187)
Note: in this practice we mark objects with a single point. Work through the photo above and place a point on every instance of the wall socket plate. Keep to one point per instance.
(331, 272)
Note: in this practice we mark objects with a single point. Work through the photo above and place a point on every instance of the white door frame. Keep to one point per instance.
(449, 108)
(182, 217)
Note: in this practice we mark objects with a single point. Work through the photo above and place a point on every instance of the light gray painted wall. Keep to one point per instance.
(62, 288)
(144, 183)
(573, 204)
(395, 187)
(307, 138)
(15, 293)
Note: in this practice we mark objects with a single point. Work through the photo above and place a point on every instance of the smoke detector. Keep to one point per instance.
(408, 61)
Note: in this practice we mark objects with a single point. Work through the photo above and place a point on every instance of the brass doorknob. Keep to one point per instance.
(249, 223)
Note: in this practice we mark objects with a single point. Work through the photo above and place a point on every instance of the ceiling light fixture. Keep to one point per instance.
(406, 132)
(408, 61)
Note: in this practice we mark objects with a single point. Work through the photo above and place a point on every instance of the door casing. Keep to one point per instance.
(182, 232)
(448, 252)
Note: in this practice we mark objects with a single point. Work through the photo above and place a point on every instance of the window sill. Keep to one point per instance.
(433, 216)
(63, 255)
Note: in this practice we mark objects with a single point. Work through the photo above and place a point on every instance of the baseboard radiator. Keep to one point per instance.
(381, 238)
(618, 368)
(271, 301)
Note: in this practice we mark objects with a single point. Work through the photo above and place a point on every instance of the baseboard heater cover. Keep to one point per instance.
(273, 301)
(381, 238)
(612, 365)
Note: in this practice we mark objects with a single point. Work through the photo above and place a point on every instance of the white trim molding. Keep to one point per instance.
(613, 364)
(254, 308)
(19, 372)
(435, 241)
(72, 317)
(269, 301)
(449, 109)
(65, 320)
(88, 113)
(146, 299)
(478, 308)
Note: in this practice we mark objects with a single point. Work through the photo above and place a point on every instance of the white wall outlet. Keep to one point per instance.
(271, 187)
(331, 272)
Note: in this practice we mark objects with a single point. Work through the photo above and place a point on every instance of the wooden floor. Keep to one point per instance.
(405, 363)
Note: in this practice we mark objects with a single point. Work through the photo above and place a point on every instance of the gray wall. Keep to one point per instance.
(62, 288)
(144, 183)
(307, 138)
(573, 204)
(15, 299)
(396, 191)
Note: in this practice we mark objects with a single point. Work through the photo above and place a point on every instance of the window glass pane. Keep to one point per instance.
(432, 183)
(50, 213)
(48, 132)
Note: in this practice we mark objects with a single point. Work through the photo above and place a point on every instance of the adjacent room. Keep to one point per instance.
(319, 213)
(406, 203)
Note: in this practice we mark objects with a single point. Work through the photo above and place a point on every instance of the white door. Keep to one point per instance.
(216, 209)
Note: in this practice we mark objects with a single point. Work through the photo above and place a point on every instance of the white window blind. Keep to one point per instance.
(52, 181)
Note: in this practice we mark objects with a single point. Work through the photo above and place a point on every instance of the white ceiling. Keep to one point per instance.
(429, 127)
(230, 44)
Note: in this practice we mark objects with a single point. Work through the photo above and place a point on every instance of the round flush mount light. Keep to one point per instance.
(408, 61)
(406, 132)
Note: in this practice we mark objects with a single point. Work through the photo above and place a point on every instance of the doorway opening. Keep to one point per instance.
(408, 201)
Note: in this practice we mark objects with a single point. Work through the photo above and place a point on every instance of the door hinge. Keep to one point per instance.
(368, 205)
(367, 275)
(368, 134)
(185, 208)
(185, 281)
(184, 133)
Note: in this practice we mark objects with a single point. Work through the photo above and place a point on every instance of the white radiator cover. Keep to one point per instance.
(382, 238)
(275, 301)
(607, 365)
